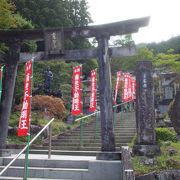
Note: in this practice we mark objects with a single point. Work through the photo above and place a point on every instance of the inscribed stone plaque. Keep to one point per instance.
(54, 41)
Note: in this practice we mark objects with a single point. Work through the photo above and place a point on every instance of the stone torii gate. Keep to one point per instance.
(54, 49)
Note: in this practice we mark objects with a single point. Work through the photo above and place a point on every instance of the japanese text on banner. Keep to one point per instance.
(76, 91)
(117, 85)
(93, 105)
(26, 107)
(127, 89)
(133, 88)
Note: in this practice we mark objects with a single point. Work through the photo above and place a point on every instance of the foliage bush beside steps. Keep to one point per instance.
(51, 106)
(166, 161)
(58, 126)
(37, 123)
(169, 158)
(165, 134)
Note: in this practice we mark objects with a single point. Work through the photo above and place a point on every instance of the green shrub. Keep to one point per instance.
(133, 141)
(57, 126)
(14, 119)
(165, 134)
(66, 90)
(54, 106)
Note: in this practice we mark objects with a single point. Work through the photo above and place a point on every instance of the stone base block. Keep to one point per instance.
(108, 156)
(5, 152)
(146, 150)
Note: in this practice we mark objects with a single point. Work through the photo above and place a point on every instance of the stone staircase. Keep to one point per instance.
(43, 168)
(72, 160)
(91, 139)
(62, 168)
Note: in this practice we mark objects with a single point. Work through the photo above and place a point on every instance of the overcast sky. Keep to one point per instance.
(164, 22)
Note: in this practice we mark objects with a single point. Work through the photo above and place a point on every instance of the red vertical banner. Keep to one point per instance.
(127, 89)
(76, 91)
(93, 101)
(26, 107)
(117, 85)
(133, 85)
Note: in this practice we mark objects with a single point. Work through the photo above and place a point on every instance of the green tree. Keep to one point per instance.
(164, 46)
(129, 63)
(168, 62)
(43, 13)
(48, 13)
(57, 13)
(125, 40)
(6, 15)
(144, 54)
(88, 66)
(11, 20)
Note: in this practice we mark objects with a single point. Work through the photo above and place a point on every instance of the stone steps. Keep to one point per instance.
(94, 134)
(62, 168)
(120, 130)
(85, 144)
(64, 152)
(46, 163)
(20, 178)
(76, 148)
(70, 141)
(43, 172)
(68, 144)
(47, 168)
(91, 139)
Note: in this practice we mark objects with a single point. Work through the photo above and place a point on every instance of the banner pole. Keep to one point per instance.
(29, 131)
(96, 117)
(115, 108)
(1, 77)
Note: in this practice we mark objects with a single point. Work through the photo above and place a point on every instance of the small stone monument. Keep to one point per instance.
(70, 119)
(145, 112)
(175, 114)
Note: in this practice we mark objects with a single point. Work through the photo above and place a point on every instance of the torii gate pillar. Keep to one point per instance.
(105, 87)
(5, 108)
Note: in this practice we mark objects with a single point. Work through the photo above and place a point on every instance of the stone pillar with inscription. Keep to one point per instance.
(145, 113)
(105, 87)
